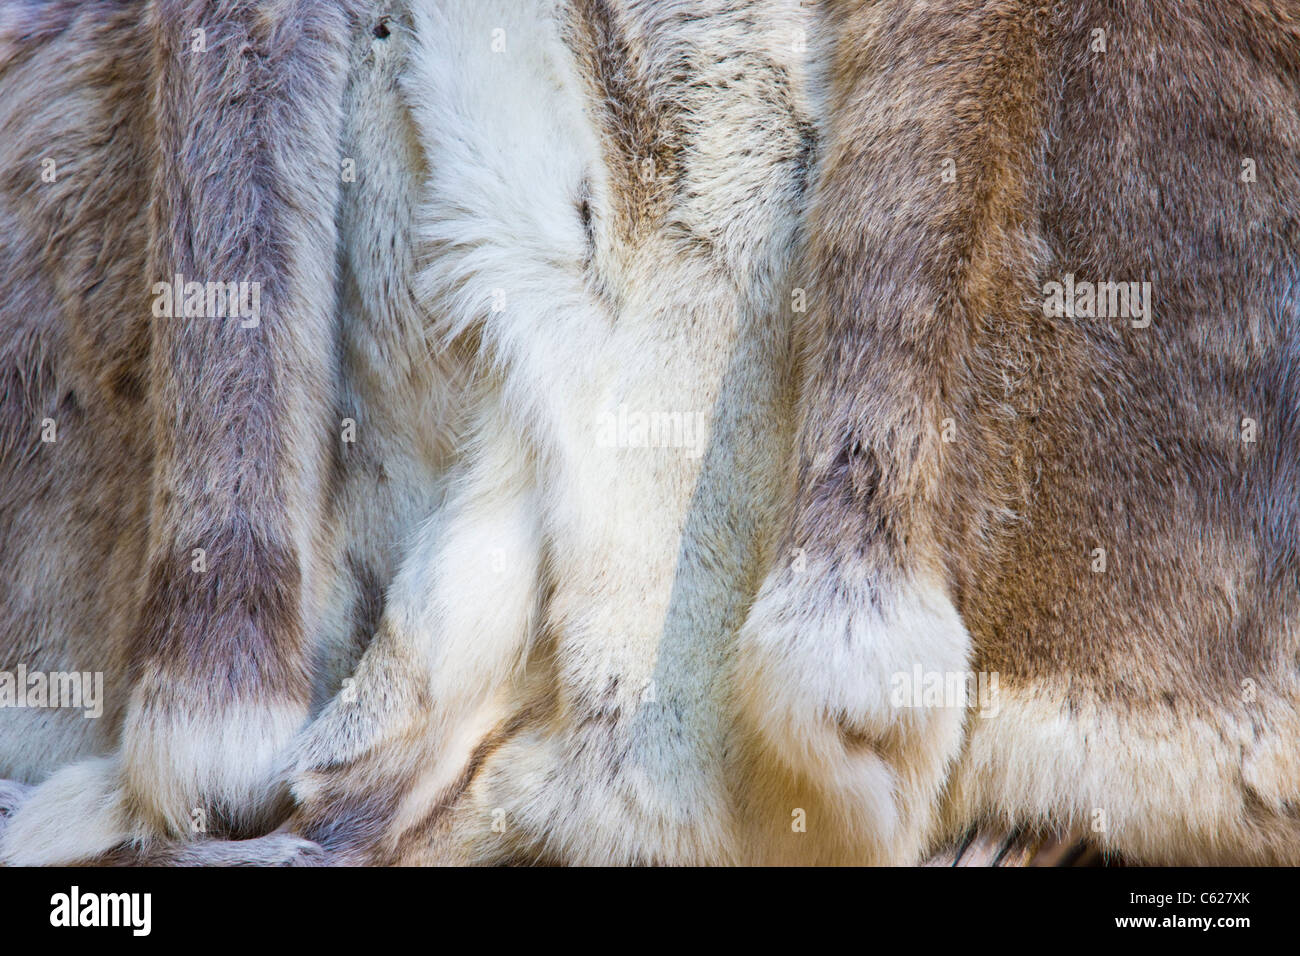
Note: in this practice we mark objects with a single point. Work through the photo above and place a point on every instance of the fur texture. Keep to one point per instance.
(558, 632)
(461, 607)
(1150, 700)
(176, 434)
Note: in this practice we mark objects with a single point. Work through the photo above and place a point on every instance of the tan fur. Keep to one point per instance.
(1155, 703)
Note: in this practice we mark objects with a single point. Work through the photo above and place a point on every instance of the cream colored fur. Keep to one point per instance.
(632, 564)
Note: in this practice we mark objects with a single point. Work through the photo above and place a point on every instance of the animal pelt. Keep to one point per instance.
(1108, 503)
(460, 602)
(166, 527)
(488, 237)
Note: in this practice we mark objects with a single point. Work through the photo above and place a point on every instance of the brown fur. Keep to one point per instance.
(182, 433)
(1073, 434)
(73, 513)
(197, 434)
(241, 414)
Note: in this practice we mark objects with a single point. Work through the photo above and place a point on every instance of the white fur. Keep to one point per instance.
(646, 554)
(77, 813)
(814, 670)
(84, 809)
